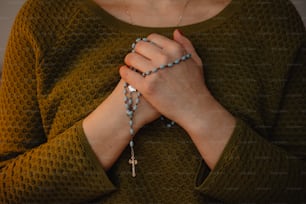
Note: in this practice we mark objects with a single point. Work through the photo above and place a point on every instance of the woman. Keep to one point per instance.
(230, 81)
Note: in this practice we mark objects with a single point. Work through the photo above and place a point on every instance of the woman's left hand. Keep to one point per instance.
(174, 91)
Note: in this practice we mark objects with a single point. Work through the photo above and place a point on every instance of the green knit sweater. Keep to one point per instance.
(62, 61)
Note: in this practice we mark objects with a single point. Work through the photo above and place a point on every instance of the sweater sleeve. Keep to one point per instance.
(34, 169)
(253, 169)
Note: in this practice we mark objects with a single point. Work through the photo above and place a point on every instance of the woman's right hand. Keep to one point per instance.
(107, 127)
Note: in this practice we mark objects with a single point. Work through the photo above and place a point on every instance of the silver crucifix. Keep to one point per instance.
(133, 162)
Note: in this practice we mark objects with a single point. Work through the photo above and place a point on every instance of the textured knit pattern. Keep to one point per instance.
(62, 61)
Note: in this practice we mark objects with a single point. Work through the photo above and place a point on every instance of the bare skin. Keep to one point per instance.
(211, 125)
(163, 13)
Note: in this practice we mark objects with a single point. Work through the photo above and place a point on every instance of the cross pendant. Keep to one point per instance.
(133, 162)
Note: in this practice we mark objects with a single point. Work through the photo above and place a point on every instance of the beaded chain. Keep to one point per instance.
(132, 103)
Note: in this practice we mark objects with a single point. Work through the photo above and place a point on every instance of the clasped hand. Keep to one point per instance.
(179, 93)
(173, 92)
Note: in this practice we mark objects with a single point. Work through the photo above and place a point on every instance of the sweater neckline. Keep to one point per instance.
(112, 21)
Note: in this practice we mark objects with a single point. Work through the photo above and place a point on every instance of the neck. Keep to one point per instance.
(163, 13)
(158, 5)
(159, 8)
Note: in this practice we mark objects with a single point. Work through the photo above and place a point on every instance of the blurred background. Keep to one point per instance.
(9, 9)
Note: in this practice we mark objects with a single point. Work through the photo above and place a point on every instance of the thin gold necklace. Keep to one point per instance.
(179, 21)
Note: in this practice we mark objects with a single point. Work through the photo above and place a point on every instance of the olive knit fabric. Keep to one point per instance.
(62, 61)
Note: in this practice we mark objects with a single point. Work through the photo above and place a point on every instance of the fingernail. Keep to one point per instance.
(180, 31)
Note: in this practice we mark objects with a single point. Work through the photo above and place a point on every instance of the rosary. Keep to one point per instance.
(132, 103)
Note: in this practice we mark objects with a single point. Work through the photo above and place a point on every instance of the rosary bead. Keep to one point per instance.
(162, 66)
(131, 143)
(130, 101)
(134, 107)
(133, 45)
(155, 70)
(171, 124)
(128, 97)
(137, 100)
(129, 113)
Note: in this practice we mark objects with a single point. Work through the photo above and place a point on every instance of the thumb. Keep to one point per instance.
(187, 45)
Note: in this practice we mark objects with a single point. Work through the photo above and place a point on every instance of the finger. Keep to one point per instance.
(131, 77)
(187, 45)
(138, 61)
(148, 49)
(169, 46)
(154, 53)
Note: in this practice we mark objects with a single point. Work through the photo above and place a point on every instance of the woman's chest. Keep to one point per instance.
(236, 70)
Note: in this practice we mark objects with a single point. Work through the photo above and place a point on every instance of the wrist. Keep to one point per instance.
(209, 119)
(210, 127)
(107, 130)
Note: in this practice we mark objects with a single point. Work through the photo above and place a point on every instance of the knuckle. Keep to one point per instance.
(150, 87)
(129, 58)
(177, 48)
(123, 72)
(151, 36)
(163, 59)
(139, 46)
